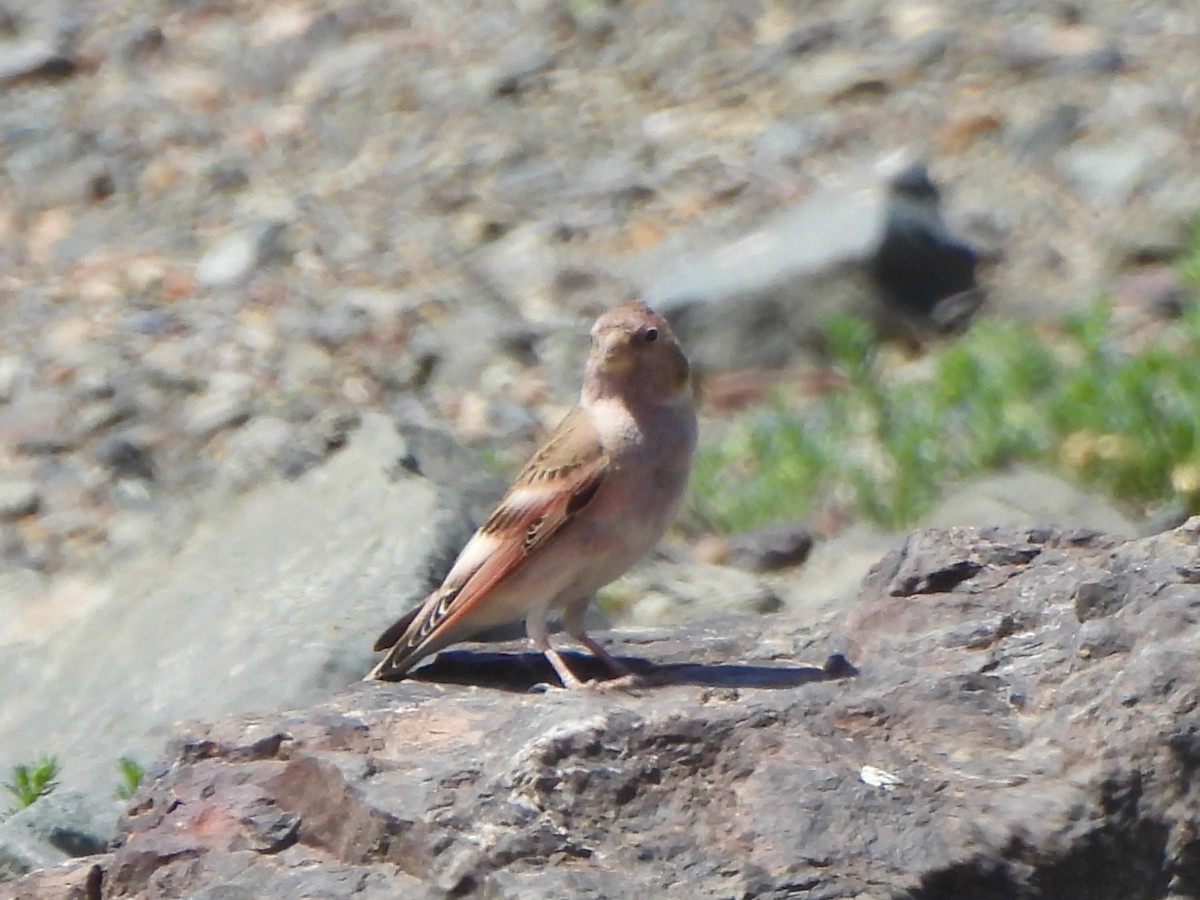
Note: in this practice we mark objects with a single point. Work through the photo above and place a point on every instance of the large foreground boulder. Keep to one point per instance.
(1024, 723)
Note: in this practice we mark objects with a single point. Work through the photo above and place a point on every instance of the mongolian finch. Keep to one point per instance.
(592, 501)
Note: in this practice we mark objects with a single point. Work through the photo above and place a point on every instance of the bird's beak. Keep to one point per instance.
(613, 348)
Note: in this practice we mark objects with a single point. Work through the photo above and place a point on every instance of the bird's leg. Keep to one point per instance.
(572, 620)
(535, 627)
(615, 665)
(565, 675)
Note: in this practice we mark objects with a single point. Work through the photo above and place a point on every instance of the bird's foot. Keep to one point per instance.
(613, 685)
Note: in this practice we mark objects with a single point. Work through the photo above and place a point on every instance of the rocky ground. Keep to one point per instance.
(1025, 723)
(238, 240)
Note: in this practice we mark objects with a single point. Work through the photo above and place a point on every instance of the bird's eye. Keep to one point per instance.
(650, 335)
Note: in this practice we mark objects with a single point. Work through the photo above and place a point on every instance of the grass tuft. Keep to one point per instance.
(30, 781)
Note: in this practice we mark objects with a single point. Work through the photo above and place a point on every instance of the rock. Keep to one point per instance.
(229, 400)
(880, 253)
(829, 581)
(233, 259)
(433, 453)
(56, 827)
(14, 374)
(275, 599)
(18, 496)
(523, 69)
(33, 58)
(37, 423)
(772, 547)
(1025, 496)
(125, 456)
(72, 880)
(924, 274)
(975, 752)
(22, 851)
(661, 593)
(522, 268)
(253, 452)
(1108, 173)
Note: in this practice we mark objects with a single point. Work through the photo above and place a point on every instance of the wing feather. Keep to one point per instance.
(554, 487)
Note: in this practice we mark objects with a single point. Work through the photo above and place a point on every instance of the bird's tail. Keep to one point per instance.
(394, 666)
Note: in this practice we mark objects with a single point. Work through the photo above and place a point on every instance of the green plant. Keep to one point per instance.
(131, 777)
(32, 780)
(1189, 265)
(1127, 421)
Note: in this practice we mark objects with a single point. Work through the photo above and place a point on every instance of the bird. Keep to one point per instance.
(592, 501)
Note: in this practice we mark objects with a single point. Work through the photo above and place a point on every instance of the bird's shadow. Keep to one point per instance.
(523, 672)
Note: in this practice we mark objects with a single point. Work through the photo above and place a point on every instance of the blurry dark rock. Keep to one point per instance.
(924, 272)
(772, 547)
(882, 254)
(35, 58)
(126, 458)
(809, 38)
(520, 72)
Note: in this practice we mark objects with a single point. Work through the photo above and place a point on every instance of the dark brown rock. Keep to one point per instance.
(979, 751)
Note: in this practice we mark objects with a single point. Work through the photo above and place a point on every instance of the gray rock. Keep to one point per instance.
(830, 579)
(342, 69)
(37, 423)
(56, 827)
(252, 453)
(229, 400)
(22, 851)
(879, 252)
(521, 268)
(33, 58)
(18, 496)
(1109, 173)
(235, 258)
(661, 593)
(15, 375)
(433, 453)
(975, 752)
(274, 600)
(1027, 496)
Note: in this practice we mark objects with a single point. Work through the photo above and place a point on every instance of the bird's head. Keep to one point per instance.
(635, 353)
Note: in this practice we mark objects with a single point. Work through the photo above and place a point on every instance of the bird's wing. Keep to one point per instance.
(557, 483)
